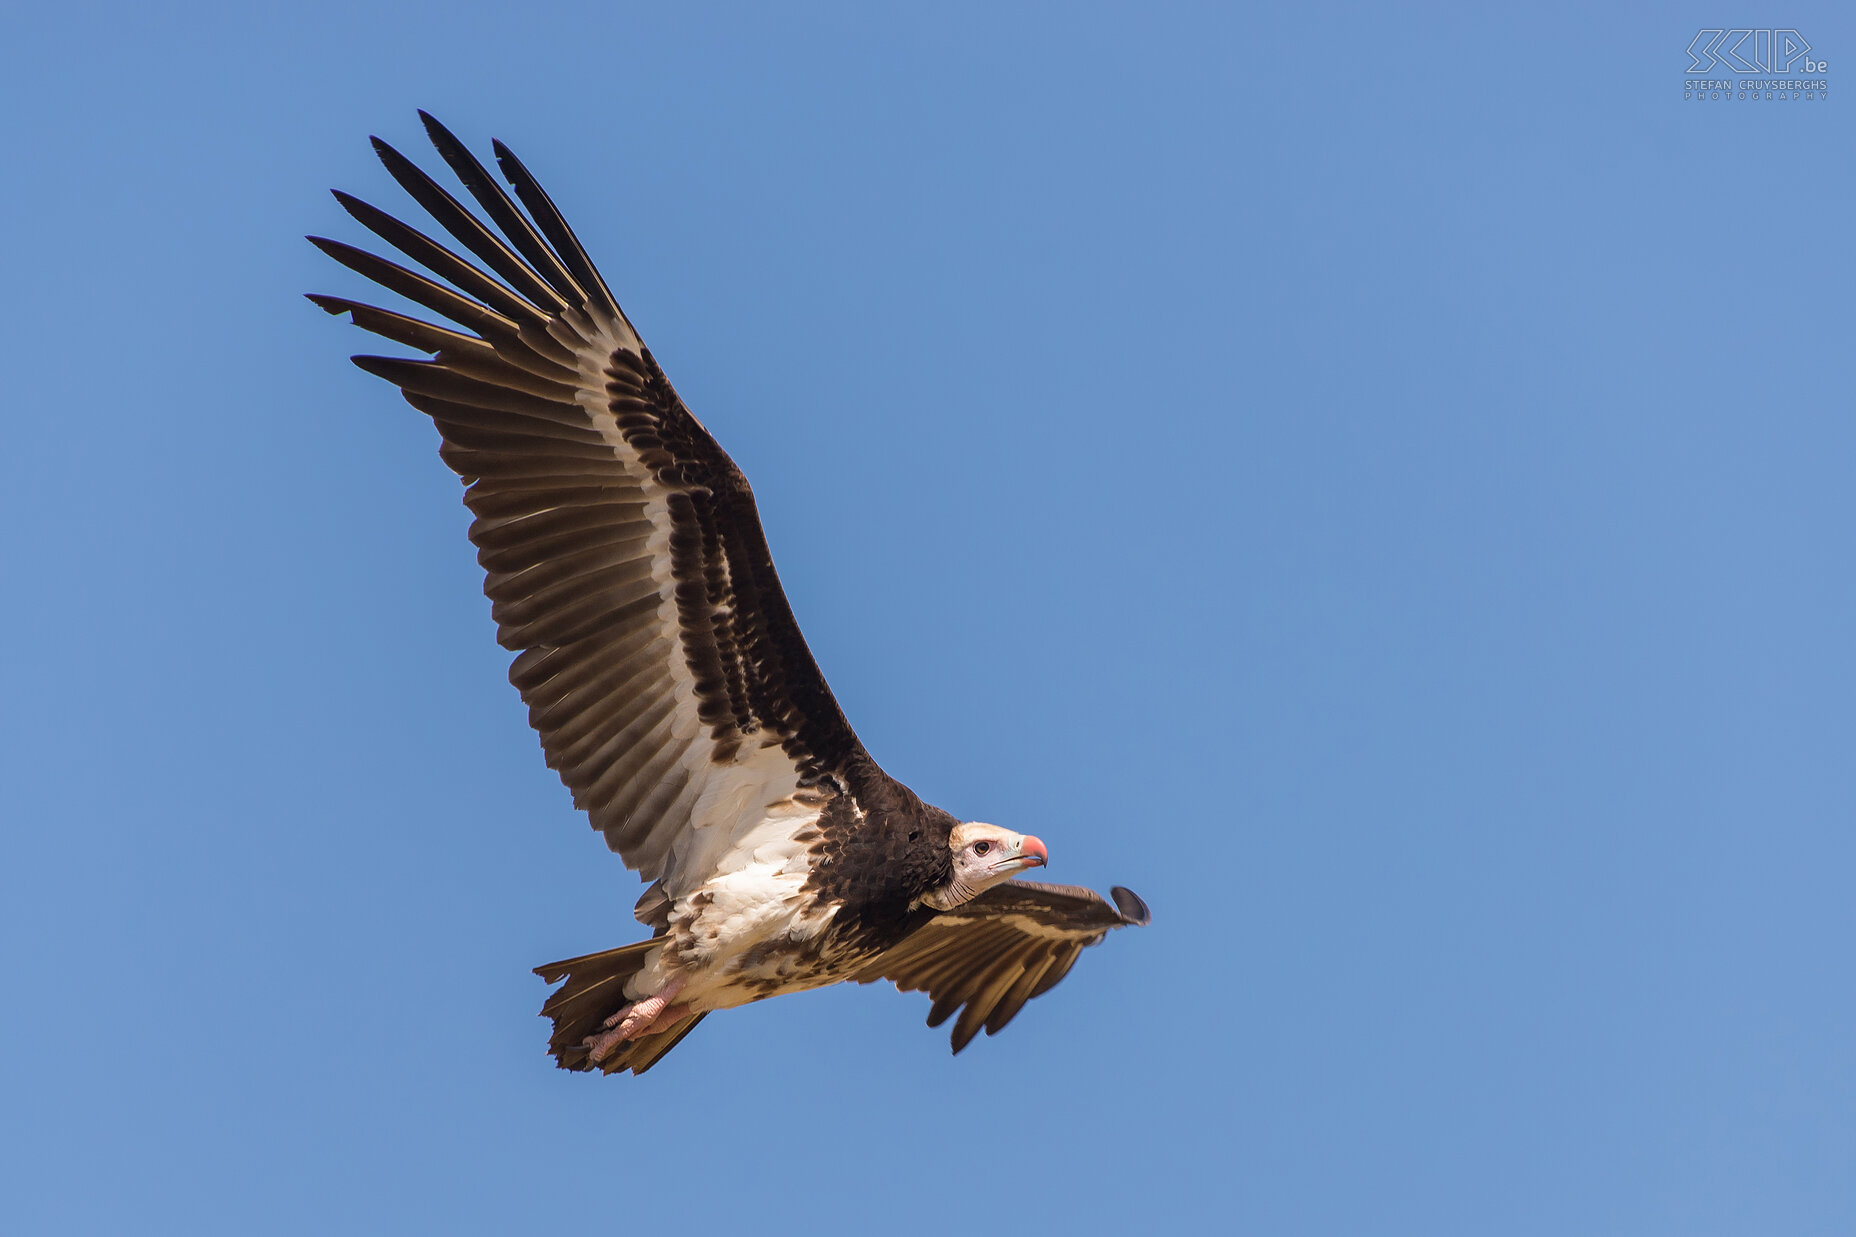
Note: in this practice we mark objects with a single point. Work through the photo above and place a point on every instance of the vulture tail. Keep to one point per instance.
(594, 991)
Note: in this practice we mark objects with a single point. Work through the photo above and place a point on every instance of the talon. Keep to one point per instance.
(599, 1047)
(637, 1020)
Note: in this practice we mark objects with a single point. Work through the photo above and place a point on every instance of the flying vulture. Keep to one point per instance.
(662, 666)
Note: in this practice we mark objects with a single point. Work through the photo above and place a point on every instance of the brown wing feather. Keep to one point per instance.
(624, 556)
(991, 955)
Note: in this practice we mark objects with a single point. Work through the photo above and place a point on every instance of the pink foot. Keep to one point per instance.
(641, 1018)
(667, 1017)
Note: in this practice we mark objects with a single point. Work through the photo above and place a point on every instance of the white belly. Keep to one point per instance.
(742, 936)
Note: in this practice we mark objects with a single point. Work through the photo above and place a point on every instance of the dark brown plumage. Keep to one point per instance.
(663, 669)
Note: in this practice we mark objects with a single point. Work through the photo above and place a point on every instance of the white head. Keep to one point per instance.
(984, 855)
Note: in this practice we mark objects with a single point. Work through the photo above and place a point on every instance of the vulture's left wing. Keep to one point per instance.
(1012, 943)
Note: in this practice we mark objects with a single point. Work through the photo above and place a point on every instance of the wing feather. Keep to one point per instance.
(469, 230)
(502, 211)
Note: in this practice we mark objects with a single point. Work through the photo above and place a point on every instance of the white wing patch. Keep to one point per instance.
(745, 817)
(1044, 931)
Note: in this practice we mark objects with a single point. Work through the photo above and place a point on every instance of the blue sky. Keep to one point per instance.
(1375, 482)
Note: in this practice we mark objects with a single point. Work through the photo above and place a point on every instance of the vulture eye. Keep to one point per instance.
(980, 848)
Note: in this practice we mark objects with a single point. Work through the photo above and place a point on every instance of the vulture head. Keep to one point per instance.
(983, 856)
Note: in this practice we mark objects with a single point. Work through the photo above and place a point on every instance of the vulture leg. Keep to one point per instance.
(641, 1018)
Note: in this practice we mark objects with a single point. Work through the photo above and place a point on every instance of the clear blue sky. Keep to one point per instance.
(1377, 483)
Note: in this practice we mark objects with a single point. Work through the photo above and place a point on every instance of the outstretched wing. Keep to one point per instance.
(626, 564)
(1012, 943)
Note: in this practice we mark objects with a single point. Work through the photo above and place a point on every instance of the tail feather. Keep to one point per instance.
(594, 991)
(647, 1051)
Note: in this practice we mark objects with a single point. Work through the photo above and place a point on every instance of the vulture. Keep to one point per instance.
(662, 666)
